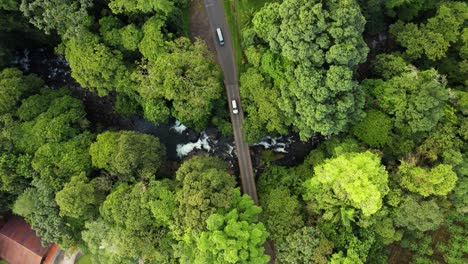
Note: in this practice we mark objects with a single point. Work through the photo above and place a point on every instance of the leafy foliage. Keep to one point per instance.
(78, 198)
(58, 15)
(15, 86)
(314, 75)
(439, 180)
(128, 154)
(416, 214)
(435, 37)
(56, 163)
(205, 187)
(281, 213)
(416, 99)
(50, 117)
(233, 237)
(96, 66)
(293, 250)
(350, 182)
(374, 129)
(141, 6)
(186, 77)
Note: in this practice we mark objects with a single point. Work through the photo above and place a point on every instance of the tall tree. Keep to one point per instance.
(185, 80)
(50, 117)
(128, 154)
(95, 66)
(320, 44)
(433, 38)
(374, 129)
(439, 180)
(281, 213)
(60, 15)
(57, 162)
(417, 214)
(205, 187)
(15, 86)
(233, 236)
(78, 198)
(129, 228)
(141, 6)
(349, 186)
(415, 99)
(306, 245)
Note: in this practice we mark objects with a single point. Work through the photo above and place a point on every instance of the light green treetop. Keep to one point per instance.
(349, 182)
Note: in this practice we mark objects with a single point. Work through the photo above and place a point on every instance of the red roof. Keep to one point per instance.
(19, 244)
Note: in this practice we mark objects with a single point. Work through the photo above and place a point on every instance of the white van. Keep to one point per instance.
(235, 110)
(220, 37)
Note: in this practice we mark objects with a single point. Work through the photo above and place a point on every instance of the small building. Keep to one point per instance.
(19, 244)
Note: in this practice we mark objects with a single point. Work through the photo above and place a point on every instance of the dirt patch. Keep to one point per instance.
(399, 255)
(199, 24)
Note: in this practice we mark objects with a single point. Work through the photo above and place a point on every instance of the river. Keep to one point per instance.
(180, 141)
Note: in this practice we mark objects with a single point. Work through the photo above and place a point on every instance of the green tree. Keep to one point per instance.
(10, 5)
(131, 37)
(187, 78)
(153, 42)
(50, 117)
(15, 169)
(205, 188)
(439, 180)
(416, 214)
(313, 32)
(95, 66)
(262, 105)
(59, 15)
(416, 99)
(233, 236)
(306, 245)
(374, 129)
(57, 162)
(321, 45)
(78, 198)
(163, 7)
(329, 106)
(15, 86)
(128, 154)
(281, 213)
(349, 182)
(37, 205)
(434, 38)
(133, 230)
(114, 33)
(407, 10)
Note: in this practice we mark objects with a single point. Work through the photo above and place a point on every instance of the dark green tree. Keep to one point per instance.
(416, 214)
(305, 245)
(57, 162)
(281, 213)
(15, 86)
(375, 129)
(205, 188)
(187, 78)
(96, 66)
(63, 16)
(128, 154)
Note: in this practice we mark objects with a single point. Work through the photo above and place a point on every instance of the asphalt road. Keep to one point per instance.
(217, 19)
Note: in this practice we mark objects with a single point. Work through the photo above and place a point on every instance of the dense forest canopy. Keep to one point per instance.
(377, 91)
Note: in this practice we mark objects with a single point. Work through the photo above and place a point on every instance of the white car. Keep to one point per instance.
(235, 110)
(220, 36)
